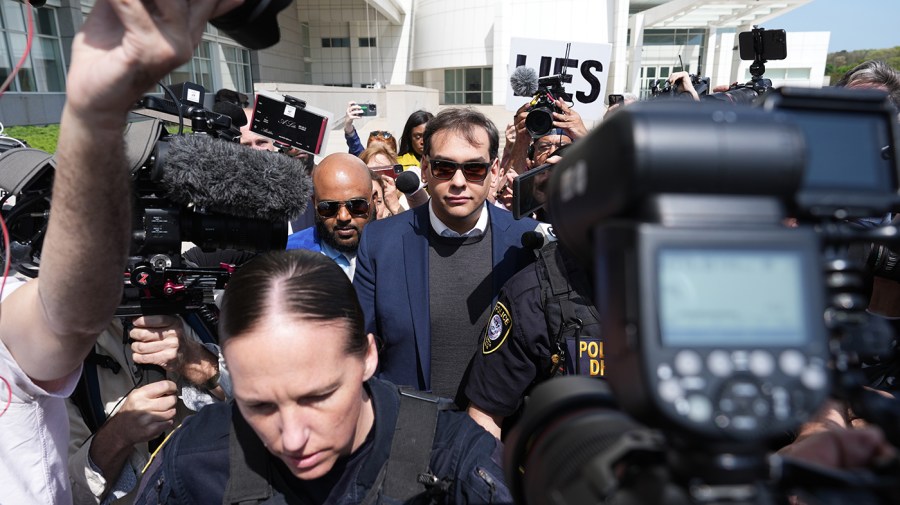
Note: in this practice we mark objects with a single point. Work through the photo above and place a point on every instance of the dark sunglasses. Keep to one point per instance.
(355, 206)
(380, 133)
(473, 171)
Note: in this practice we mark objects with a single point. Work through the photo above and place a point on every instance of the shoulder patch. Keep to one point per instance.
(497, 329)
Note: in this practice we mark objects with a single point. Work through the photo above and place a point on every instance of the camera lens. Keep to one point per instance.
(539, 121)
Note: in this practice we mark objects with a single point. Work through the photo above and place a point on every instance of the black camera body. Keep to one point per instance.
(662, 88)
(539, 120)
(157, 280)
(724, 329)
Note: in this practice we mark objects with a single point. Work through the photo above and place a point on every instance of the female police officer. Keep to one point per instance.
(309, 423)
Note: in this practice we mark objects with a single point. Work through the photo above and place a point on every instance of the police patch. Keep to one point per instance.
(497, 329)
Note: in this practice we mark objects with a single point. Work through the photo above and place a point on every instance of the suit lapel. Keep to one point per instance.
(500, 247)
(415, 260)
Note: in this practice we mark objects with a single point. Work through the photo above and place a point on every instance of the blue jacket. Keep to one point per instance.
(305, 239)
(216, 458)
(391, 281)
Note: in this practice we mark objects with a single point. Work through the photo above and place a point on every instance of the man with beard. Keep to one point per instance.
(342, 196)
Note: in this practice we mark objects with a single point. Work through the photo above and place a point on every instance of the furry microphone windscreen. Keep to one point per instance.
(524, 81)
(227, 177)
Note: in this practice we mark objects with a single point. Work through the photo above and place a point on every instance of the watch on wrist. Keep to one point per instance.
(212, 382)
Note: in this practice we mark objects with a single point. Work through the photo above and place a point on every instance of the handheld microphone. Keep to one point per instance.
(542, 235)
(409, 182)
(524, 81)
(226, 177)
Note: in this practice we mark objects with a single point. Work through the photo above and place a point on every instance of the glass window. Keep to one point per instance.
(46, 56)
(473, 80)
(45, 22)
(43, 70)
(13, 18)
(449, 81)
(468, 86)
(798, 73)
(326, 42)
(367, 42)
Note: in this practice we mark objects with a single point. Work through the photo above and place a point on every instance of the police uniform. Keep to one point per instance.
(543, 324)
(216, 458)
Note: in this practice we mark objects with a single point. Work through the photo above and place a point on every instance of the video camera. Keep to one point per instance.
(727, 328)
(539, 120)
(202, 187)
(758, 45)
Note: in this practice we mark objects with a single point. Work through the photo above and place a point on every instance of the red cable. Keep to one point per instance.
(30, 15)
(26, 5)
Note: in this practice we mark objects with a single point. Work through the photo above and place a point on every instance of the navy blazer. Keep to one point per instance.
(391, 281)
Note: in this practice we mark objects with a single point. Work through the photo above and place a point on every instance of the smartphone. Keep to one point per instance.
(368, 109)
(774, 45)
(289, 122)
(530, 188)
(391, 171)
(615, 100)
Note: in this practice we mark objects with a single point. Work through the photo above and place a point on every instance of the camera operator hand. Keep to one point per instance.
(504, 194)
(515, 158)
(843, 449)
(391, 195)
(145, 413)
(569, 120)
(684, 80)
(161, 341)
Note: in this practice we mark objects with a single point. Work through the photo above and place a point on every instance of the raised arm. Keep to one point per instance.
(124, 47)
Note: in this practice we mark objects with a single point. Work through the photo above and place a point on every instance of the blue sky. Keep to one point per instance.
(854, 24)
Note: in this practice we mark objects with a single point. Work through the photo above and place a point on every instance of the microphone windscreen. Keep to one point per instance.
(238, 118)
(524, 81)
(408, 182)
(233, 179)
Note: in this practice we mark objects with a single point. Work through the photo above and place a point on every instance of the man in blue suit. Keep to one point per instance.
(427, 278)
(342, 199)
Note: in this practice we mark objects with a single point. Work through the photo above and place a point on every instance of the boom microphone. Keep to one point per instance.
(232, 179)
(524, 81)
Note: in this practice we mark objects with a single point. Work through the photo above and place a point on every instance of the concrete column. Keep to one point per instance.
(636, 25)
(708, 58)
(618, 22)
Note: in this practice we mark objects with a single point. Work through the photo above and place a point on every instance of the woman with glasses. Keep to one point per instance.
(382, 162)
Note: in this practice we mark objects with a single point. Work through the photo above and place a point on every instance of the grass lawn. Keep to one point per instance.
(38, 137)
(46, 137)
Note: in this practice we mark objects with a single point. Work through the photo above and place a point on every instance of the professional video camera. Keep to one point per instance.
(758, 45)
(544, 92)
(539, 120)
(727, 328)
(664, 88)
(195, 188)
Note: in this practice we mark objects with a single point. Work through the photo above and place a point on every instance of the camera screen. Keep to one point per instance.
(731, 298)
(844, 151)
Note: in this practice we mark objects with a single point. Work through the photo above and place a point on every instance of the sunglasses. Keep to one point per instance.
(380, 133)
(358, 207)
(473, 171)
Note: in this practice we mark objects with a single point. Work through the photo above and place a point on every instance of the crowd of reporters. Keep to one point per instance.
(295, 397)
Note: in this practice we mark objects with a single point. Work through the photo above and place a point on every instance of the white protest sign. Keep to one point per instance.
(588, 64)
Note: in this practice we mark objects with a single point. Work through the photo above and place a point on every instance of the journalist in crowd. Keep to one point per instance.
(48, 326)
